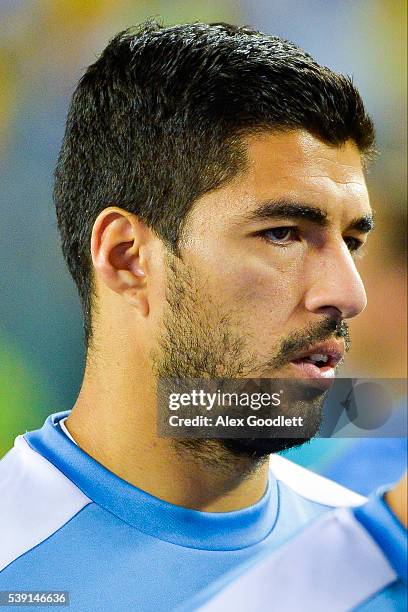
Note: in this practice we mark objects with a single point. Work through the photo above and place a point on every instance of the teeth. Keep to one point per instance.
(318, 357)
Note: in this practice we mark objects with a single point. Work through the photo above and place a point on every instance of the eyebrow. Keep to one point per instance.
(283, 209)
(362, 224)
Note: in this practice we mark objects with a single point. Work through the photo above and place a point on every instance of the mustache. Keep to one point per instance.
(300, 340)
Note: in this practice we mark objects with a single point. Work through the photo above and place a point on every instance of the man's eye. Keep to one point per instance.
(279, 235)
(353, 244)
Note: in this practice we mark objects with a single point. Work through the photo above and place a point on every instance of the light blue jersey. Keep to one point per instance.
(69, 524)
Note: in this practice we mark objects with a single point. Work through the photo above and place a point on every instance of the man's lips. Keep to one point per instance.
(319, 361)
(323, 354)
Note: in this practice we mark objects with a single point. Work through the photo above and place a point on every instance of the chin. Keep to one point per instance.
(258, 448)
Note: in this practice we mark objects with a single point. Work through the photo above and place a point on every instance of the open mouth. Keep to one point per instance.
(319, 362)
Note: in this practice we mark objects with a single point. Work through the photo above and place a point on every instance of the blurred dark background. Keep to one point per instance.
(45, 47)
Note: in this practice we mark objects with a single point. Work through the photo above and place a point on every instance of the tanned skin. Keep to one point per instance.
(235, 294)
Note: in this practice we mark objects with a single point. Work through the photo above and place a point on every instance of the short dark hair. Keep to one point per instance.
(157, 121)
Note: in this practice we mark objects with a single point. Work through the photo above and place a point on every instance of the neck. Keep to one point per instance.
(114, 421)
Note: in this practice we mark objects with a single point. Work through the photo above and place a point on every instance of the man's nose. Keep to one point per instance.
(335, 284)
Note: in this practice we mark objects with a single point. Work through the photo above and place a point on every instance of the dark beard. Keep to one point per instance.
(199, 340)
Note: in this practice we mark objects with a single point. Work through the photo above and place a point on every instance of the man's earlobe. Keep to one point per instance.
(132, 287)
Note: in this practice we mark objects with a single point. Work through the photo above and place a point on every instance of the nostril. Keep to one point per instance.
(332, 312)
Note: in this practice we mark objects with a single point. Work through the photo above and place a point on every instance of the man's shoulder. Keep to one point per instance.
(311, 486)
(36, 500)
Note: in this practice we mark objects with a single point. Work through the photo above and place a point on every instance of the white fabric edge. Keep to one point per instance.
(36, 500)
(312, 486)
(65, 429)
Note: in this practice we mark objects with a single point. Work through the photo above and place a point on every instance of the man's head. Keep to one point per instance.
(210, 196)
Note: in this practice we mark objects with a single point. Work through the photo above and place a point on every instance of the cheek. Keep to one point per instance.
(265, 297)
(264, 294)
(268, 306)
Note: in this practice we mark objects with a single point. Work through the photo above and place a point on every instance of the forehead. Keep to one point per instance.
(297, 155)
(293, 165)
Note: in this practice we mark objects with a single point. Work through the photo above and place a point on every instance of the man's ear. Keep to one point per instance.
(118, 250)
